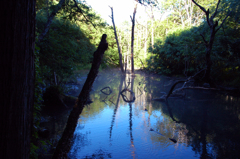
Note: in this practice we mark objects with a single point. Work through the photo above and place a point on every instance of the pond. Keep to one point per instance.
(200, 124)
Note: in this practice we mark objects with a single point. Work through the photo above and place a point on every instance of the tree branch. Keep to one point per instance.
(204, 39)
(131, 18)
(202, 8)
(205, 11)
(80, 10)
(222, 22)
(214, 14)
(49, 22)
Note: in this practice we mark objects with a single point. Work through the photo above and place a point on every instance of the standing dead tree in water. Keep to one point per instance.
(209, 44)
(132, 37)
(64, 143)
(118, 45)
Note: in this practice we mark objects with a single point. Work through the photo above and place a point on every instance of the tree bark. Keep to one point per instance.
(64, 143)
(17, 77)
(119, 50)
(132, 38)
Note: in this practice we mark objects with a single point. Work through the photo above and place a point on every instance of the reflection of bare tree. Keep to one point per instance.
(203, 132)
(130, 119)
(130, 110)
(116, 106)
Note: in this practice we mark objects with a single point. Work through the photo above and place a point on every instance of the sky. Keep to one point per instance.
(122, 9)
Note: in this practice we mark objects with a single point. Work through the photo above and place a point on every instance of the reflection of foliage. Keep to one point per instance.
(99, 154)
(212, 125)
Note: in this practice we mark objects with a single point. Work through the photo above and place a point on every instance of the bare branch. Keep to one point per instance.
(204, 10)
(222, 22)
(207, 15)
(80, 10)
(214, 14)
(111, 12)
(204, 39)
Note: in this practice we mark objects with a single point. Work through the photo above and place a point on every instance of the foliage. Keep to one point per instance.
(181, 50)
(64, 47)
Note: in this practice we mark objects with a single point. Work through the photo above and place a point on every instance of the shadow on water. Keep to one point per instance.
(124, 122)
(212, 122)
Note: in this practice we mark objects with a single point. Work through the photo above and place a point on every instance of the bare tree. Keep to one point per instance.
(209, 44)
(132, 37)
(119, 49)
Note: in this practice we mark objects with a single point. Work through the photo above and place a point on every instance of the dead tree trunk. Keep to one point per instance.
(64, 143)
(209, 44)
(119, 50)
(132, 38)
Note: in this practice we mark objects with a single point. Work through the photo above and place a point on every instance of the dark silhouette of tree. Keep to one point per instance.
(64, 143)
(209, 44)
(17, 77)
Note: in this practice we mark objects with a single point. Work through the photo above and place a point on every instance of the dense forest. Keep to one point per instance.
(191, 37)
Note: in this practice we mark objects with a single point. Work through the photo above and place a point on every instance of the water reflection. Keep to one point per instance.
(205, 124)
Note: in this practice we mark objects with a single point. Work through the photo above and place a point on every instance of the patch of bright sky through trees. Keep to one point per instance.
(122, 10)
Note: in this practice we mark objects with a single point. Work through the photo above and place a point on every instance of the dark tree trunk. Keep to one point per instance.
(132, 37)
(17, 77)
(209, 44)
(64, 143)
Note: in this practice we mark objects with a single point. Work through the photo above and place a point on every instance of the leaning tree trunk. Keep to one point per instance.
(132, 38)
(64, 143)
(17, 77)
(49, 22)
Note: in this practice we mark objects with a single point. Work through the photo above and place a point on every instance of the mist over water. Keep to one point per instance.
(202, 124)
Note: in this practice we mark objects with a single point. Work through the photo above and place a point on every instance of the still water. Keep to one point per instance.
(201, 124)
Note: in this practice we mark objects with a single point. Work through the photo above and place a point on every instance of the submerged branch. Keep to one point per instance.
(110, 91)
(125, 97)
